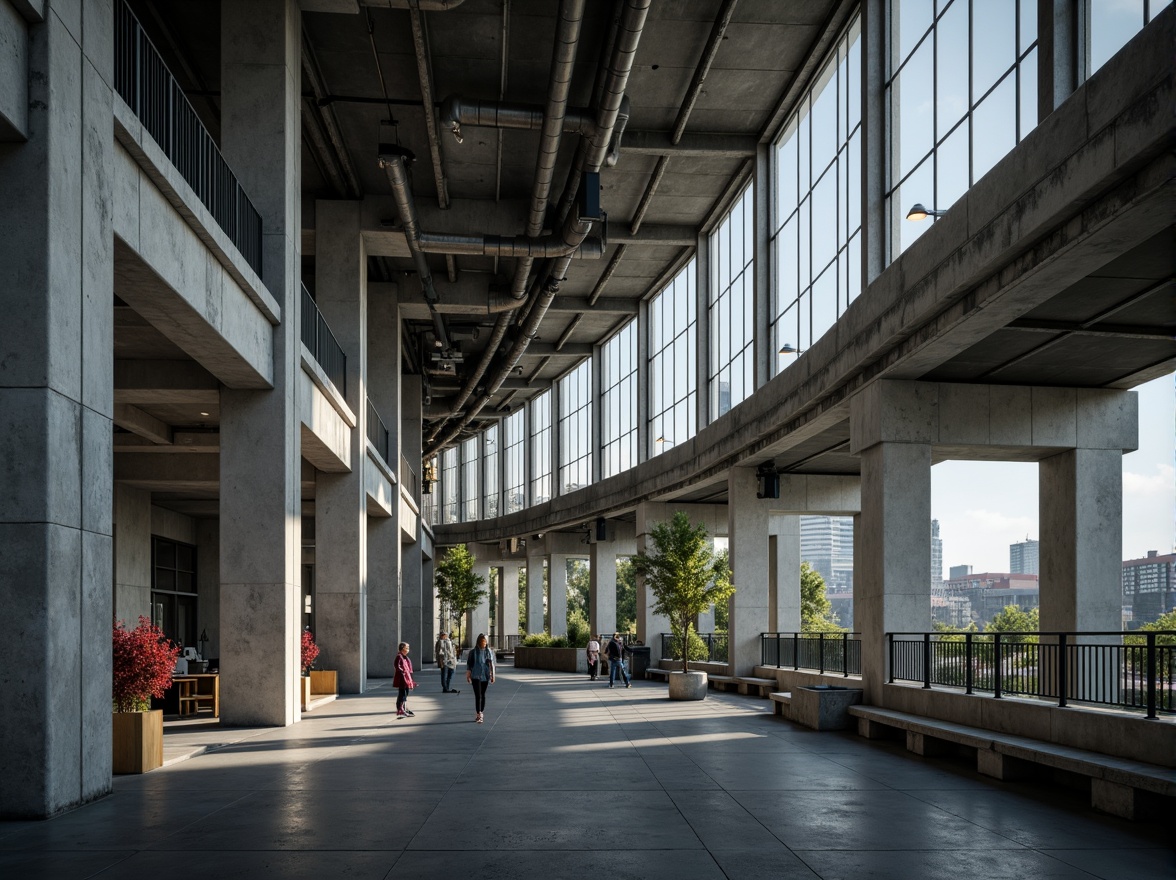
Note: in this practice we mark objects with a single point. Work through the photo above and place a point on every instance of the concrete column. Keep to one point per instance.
(784, 602)
(260, 462)
(416, 614)
(1081, 516)
(535, 584)
(874, 148)
(602, 588)
(384, 533)
(132, 549)
(748, 535)
(208, 584)
(508, 600)
(341, 499)
(892, 583)
(478, 620)
(56, 407)
(418, 622)
(557, 597)
(650, 626)
(1060, 61)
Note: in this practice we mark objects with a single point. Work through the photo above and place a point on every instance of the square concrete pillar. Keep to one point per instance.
(478, 620)
(557, 596)
(383, 587)
(416, 613)
(602, 588)
(56, 407)
(892, 571)
(535, 589)
(650, 626)
(132, 564)
(784, 574)
(747, 518)
(508, 601)
(260, 466)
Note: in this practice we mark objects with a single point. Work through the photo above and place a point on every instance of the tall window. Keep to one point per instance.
(575, 428)
(962, 93)
(173, 589)
(469, 480)
(1111, 23)
(673, 317)
(449, 485)
(816, 238)
(618, 401)
(490, 472)
(731, 309)
(541, 448)
(515, 449)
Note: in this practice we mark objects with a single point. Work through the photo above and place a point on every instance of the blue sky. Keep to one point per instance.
(982, 507)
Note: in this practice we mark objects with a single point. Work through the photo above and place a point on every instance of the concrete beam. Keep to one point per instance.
(655, 235)
(131, 418)
(694, 145)
(604, 304)
(182, 441)
(168, 473)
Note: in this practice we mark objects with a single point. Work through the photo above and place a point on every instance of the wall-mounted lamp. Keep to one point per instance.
(789, 348)
(661, 441)
(918, 212)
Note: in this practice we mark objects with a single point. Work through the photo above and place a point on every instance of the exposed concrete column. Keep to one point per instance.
(416, 614)
(384, 532)
(748, 534)
(132, 563)
(1060, 61)
(1081, 516)
(784, 599)
(557, 598)
(478, 620)
(874, 147)
(208, 584)
(56, 407)
(534, 594)
(340, 499)
(508, 600)
(260, 505)
(602, 588)
(418, 622)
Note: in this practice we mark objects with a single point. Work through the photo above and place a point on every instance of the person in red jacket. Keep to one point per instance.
(403, 681)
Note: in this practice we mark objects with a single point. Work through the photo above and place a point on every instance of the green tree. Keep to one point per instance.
(682, 574)
(816, 613)
(522, 600)
(722, 609)
(579, 583)
(1011, 619)
(458, 588)
(626, 596)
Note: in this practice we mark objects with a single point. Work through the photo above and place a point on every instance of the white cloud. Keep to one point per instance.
(993, 521)
(1140, 485)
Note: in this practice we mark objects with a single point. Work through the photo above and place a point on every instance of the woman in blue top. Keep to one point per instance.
(480, 673)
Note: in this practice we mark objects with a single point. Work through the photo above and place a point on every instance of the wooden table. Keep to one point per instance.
(194, 692)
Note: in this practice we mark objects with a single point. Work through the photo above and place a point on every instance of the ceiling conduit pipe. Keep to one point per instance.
(574, 229)
(563, 59)
(393, 166)
(422, 5)
(457, 111)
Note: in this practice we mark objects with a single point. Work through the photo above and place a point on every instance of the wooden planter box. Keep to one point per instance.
(324, 681)
(138, 741)
(304, 690)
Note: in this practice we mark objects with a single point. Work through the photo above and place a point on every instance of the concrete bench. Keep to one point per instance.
(1115, 783)
(722, 682)
(760, 687)
(660, 674)
(780, 702)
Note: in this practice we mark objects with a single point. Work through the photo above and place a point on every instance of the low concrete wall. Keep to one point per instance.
(696, 666)
(555, 659)
(787, 679)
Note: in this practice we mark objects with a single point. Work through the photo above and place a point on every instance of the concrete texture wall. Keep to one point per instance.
(208, 584)
(14, 74)
(784, 570)
(748, 606)
(326, 420)
(174, 526)
(56, 407)
(132, 546)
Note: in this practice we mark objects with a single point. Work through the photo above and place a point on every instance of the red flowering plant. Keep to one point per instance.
(143, 664)
(309, 651)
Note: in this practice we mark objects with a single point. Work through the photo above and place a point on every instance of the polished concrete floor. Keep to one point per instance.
(567, 778)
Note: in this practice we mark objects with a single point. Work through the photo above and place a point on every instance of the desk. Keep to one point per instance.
(196, 692)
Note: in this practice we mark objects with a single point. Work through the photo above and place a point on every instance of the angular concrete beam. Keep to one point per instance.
(548, 349)
(604, 304)
(131, 418)
(168, 473)
(182, 441)
(655, 235)
(700, 145)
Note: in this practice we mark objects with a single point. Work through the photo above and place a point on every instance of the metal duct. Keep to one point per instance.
(422, 5)
(614, 148)
(457, 111)
(509, 246)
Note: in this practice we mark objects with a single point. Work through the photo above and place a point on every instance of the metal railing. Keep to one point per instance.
(317, 336)
(716, 647)
(1124, 670)
(409, 479)
(824, 652)
(504, 642)
(150, 90)
(377, 432)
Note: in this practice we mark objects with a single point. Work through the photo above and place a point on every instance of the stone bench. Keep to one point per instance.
(762, 686)
(780, 702)
(722, 682)
(1115, 783)
(655, 672)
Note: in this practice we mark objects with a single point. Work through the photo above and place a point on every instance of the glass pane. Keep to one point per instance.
(184, 560)
(165, 579)
(913, 98)
(951, 170)
(909, 20)
(824, 204)
(786, 177)
(994, 128)
(1028, 74)
(952, 68)
(854, 195)
(854, 274)
(994, 43)
(165, 554)
(1028, 25)
(1112, 24)
(824, 119)
(918, 188)
(825, 302)
(802, 246)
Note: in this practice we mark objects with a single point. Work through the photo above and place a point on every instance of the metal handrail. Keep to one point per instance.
(377, 432)
(1135, 671)
(716, 646)
(824, 652)
(144, 82)
(408, 478)
(318, 338)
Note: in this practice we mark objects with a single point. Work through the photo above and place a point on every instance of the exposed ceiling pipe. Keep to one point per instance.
(393, 165)
(421, 50)
(590, 156)
(326, 114)
(457, 111)
(546, 246)
(422, 5)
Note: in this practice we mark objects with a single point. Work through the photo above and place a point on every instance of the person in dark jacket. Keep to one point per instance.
(403, 681)
(616, 651)
(480, 673)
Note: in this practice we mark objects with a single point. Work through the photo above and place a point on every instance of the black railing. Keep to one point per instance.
(716, 647)
(831, 652)
(145, 83)
(317, 336)
(408, 478)
(377, 432)
(1124, 670)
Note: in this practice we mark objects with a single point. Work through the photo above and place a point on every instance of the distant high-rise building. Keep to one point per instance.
(1149, 587)
(1023, 557)
(936, 560)
(958, 571)
(826, 543)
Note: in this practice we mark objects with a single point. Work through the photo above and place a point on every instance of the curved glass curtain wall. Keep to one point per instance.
(731, 307)
(618, 401)
(514, 473)
(540, 443)
(673, 363)
(575, 428)
(490, 456)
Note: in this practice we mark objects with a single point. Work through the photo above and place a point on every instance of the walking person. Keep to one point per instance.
(403, 681)
(445, 653)
(593, 658)
(616, 651)
(480, 673)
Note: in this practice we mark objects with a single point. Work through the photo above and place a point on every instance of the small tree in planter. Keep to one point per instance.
(457, 585)
(142, 661)
(686, 578)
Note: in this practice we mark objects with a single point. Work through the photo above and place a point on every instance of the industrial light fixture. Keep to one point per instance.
(918, 212)
(789, 348)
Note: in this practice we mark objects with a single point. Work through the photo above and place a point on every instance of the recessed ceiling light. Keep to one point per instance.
(204, 414)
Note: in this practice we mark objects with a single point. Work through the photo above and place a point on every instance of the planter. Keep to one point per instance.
(324, 681)
(824, 706)
(138, 741)
(554, 659)
(304, 689)
(687, 685)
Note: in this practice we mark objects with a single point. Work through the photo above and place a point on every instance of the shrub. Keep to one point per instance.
(536, 640)
(578, 633)
(697, 648)
(310, 651)
(143, 663)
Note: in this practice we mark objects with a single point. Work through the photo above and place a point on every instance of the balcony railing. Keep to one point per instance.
(716, 647)
(317, 336)
(377, 432)
(145, 83)
(1066, 667)
(822, 652)
(408, 478)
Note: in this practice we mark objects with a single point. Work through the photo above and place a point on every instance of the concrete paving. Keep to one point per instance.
(569, 779)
